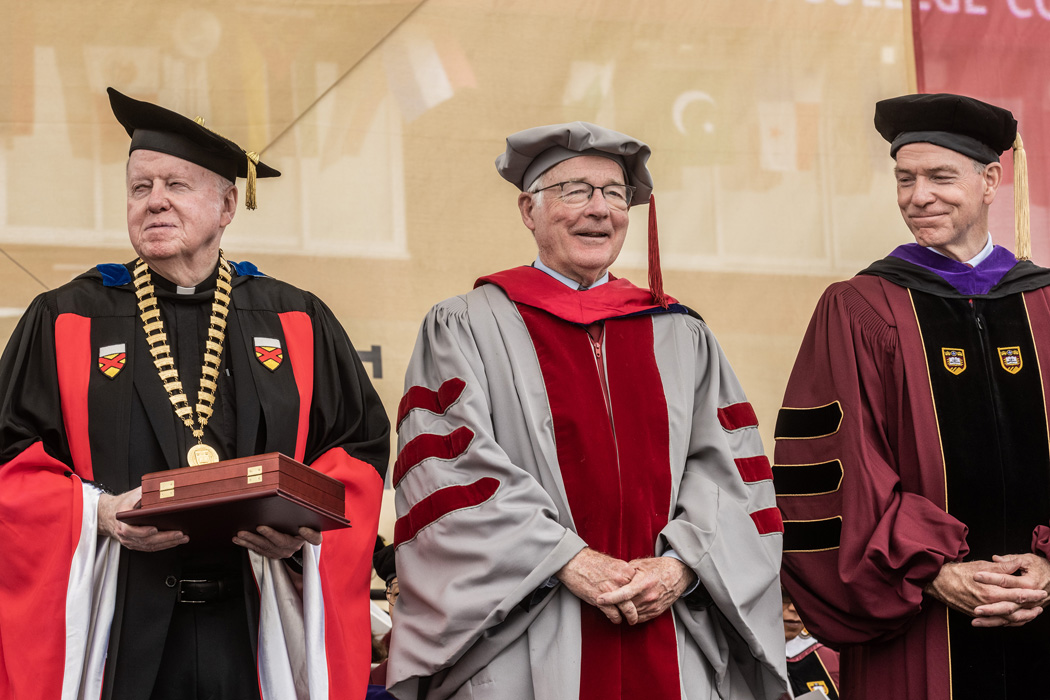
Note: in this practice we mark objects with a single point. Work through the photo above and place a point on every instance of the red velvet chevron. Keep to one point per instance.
(429, 400)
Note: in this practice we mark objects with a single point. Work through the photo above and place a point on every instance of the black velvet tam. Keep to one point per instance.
(154, 128)
(965, 125)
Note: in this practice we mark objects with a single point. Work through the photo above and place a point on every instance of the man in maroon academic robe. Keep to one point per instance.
(584, 508)
(912, 463)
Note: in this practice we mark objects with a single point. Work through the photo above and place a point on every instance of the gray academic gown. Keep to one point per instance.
(484, 522)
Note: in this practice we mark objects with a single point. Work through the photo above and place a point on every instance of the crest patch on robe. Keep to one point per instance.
(813, 685)
(111, 359)
(268, 351)
(954, 360)
(1010, 359)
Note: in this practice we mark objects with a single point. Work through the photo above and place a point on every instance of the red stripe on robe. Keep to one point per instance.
(299, 337)
(441, 503)
(738, 415)
(430, 445)
(753, 469)
(74, 359)
(618, 483)
(436, 402)
(346, 574)
(768, 521)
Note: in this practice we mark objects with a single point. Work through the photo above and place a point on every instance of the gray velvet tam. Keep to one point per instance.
(532, 152)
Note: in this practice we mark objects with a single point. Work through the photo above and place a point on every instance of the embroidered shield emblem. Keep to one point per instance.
(268, 352)
(1010, 359)
(954, 360)
(111, 359)
(813, 685)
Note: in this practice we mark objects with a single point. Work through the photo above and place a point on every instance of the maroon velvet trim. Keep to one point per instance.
(615, 298)
(754, 469)
(436, 402)
(441, 503)
(617, 478)
(768, 520)
(430, 445)
(737, 415)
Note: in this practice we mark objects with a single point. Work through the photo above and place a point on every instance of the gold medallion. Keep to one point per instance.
(202, 454)
(157, 339)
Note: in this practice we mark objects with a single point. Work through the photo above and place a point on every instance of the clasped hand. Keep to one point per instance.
(146, 538)
(635, 591)
(1008, 591)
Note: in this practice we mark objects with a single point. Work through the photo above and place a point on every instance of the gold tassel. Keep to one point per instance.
(249, 190)
(1022, 222)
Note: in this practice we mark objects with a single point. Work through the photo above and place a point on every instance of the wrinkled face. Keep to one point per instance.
(792, 622)
(579, 242)
(942, 198)
(176, 209)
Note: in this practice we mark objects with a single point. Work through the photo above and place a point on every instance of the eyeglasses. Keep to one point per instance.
(577, 194)
(392, 592)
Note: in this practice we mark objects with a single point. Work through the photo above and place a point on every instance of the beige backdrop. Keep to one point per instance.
(385, 118)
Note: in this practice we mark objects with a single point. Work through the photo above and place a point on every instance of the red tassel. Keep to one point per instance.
(656, 277)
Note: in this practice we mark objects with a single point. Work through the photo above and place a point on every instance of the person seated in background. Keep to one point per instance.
(811, 665)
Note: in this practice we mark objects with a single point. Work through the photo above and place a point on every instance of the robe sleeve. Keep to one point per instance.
(347, 438)
(48, 537)
(476, 533)
(858, 546)
(726, 526)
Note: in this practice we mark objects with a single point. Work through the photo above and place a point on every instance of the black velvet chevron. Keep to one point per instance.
(804, 423)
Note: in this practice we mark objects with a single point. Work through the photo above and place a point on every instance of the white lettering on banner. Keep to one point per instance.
(888, 4)
(1018, 12)
(952, 7)
(1043, 11)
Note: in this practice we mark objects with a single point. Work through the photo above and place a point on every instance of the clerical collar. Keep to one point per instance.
(166, 285)
(977, 259)
(570, 283)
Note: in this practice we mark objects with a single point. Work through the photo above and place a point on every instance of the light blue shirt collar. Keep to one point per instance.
(977, 259)
(572, 284)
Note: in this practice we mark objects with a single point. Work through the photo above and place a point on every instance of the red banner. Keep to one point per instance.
(997, 51)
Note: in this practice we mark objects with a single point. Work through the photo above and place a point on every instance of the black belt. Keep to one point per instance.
(199, 590)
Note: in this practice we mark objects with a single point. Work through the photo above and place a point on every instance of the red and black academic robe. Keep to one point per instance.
(81, 402)
(914, 433)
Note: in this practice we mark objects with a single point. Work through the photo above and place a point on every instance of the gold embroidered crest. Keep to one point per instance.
(813, 685)
(268, 352)
(954, 360)
(111, 359)
(1010, 359)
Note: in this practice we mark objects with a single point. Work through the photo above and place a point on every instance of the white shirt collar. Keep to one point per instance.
(977, 259)
(571, 283)
(798, 645)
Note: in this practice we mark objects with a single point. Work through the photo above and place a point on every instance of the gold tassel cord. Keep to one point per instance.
(253, 160)
(1022, 222)
(249, 190)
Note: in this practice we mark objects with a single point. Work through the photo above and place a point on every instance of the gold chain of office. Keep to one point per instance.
(157, 338)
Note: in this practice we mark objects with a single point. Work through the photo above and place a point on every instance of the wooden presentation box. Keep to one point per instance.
(215, 501)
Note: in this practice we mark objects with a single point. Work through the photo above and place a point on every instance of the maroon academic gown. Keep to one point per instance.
(914, 433)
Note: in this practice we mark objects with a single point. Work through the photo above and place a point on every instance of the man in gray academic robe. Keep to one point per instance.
(584, 507)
